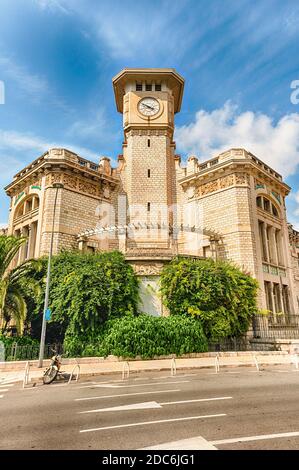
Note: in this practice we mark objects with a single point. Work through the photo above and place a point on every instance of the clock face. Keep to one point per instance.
(148, 106)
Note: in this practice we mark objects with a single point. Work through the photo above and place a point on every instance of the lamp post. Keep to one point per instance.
(56, 186)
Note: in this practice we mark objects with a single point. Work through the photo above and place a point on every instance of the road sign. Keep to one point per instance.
(48, 314)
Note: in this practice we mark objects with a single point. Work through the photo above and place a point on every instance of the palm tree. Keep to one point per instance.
(12, 303)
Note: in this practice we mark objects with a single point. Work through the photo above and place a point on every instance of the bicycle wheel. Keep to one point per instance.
(50, 375)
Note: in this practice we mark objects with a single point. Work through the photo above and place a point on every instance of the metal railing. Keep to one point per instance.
(276, 326)
(16, 352)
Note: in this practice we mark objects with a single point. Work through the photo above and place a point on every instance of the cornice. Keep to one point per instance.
(46, 166)
(235, 165)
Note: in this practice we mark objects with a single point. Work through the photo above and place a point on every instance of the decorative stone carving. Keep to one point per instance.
(220, 183)
(106, 191)
(140, 132)
(56, 152)
(53, 178)
(148, 269)
(70, 182)
(209, 188)
(87, 188)
(242, 178)
(190, 192)
(226, 181)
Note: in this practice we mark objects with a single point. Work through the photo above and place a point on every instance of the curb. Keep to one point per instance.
(36, 380)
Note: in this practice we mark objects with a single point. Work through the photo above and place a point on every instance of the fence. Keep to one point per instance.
(16, 352)
(276, 326)
(264, 327)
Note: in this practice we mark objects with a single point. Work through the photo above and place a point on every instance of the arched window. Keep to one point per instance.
(27, 206)
(25, 224)
(267, 205)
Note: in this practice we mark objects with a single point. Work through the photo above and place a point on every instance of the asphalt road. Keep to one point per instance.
(151, 409)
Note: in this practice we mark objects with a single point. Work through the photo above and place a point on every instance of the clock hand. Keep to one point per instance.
(148, 106)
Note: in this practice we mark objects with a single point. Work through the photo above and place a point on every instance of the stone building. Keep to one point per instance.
(151, 207)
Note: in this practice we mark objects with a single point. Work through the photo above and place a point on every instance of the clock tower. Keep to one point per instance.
(148, 100)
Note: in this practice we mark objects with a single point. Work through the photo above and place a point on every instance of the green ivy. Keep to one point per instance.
(218, 294)
(86, 291)
(144, 336)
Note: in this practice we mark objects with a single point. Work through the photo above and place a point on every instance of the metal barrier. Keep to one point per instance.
(26, 375)
(217, 364)
(126, 371)
(173, 367)
(256, 363)
(294, 360)
(77, 366)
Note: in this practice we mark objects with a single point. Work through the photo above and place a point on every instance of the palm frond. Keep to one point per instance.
(9, 246)
(16, 308)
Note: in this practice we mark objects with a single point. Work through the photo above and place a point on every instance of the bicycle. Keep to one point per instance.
(54, 369)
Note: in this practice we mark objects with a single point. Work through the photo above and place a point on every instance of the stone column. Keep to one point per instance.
(32, 239)
(264, 228)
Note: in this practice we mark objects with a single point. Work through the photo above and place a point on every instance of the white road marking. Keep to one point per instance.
(150, 404)
(128, 394)
(136, 385)
(101, 386)
(134, 406)
(194, 443)
(261, 437)
(144, 423)
(194, 401)
(1, 396)
(6, 384)
(4, 390)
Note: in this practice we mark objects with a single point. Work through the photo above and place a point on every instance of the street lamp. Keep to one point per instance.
(56, 186)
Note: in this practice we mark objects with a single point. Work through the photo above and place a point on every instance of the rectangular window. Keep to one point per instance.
(278, 241)
(148, 173)
(148, 87)
(269, 243)
(268, 296)
(138, 86)
(263, 241)
(148, 142)
(148, 207)
(158, 87)
(274, 211)
(259, 202)
(266, 205)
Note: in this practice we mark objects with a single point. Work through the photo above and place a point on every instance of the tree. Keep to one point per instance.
(86, 290)
(13, 307)
(221, 296)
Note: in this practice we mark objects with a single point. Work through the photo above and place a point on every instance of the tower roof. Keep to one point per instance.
(173, 79)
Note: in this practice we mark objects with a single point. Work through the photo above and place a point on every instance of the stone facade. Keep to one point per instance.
(151, 207)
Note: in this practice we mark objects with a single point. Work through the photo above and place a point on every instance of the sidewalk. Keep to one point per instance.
(90, 366)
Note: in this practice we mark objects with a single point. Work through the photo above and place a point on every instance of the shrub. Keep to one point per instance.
(86, 291)
(147, 336)
(222, 297)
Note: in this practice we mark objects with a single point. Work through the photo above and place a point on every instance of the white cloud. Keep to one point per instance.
(35, 86)
(30, 83)
(18, 149)
(277, 144)
(95, 126)
(53, 5)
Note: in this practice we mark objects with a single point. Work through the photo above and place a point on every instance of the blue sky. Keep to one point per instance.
(238, 57)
